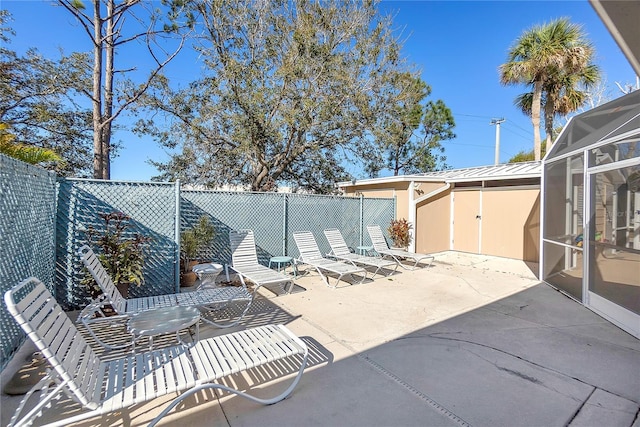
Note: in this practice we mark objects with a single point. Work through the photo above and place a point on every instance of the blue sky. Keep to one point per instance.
(458, 45)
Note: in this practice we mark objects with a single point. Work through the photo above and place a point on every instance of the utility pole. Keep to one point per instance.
(497, 123)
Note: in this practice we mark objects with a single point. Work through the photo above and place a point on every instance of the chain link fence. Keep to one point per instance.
(152, 208)
(42, 237)
(275, 216)
(28, 206)
(261, 212)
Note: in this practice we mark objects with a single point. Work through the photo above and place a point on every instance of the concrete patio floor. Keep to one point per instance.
(471, 340)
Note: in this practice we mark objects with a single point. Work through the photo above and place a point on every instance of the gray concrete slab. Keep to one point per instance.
(470, 341)
(605, 409)
(503, 370)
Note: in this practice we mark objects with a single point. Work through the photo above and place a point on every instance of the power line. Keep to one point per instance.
(472, 115)
(528, 131)
(516, 132)
(510, 123)
(467, 145)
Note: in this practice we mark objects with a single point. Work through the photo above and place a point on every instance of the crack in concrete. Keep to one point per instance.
(520, 375)
(472, 287)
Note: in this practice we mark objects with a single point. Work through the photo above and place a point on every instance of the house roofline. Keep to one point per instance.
(507, 171)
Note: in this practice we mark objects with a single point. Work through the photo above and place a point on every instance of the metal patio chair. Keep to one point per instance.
(244, 261)
(310, 254)
(104, 386)
(380, 245)
(340, 250)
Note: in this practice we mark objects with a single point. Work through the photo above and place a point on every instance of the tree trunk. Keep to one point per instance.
(108, 92)
(97, 98)
(549, 112)
(535, 117)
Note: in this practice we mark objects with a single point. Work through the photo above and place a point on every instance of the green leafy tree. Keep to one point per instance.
(528, 156)
(437, 126)
(409, 134)
(552, 59)
(291, 90)
(111, 27)
(38, 104)
(26, 153)
(562, 95)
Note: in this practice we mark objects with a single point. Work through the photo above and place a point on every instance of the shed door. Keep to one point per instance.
(467, 220)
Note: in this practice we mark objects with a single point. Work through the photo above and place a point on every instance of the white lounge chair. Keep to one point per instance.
(380, 245)
(310, 254)
(244, 261)
(104, 386)
(206, 300)
(340, 250)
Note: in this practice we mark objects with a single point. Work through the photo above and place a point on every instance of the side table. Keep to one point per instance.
(284, 260)
(364, 250)
(207, 273)
(164, 321)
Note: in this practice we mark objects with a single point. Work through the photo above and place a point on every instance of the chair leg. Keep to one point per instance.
(235, 322)
(325, 279)
(36, 411)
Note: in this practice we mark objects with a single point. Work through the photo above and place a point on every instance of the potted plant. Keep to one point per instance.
(192, 241)
(120, 251)
(399, 232)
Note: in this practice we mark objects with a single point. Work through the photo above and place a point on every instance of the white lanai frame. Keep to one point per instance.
(591, 250)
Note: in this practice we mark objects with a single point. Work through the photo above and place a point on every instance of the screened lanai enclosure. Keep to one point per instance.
(591, 211)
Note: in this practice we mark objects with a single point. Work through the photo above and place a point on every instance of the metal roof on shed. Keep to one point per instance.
(480, 173)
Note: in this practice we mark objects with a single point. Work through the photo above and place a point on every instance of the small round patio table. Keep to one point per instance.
(284, 260)
(207, 273)
(364, 250)
(164, 320)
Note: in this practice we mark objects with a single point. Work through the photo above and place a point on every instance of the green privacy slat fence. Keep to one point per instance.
(152, 206)
(374, 212)
(275, 216)
(152, 209)
(315, 214)
(27, 218)
(261, 212)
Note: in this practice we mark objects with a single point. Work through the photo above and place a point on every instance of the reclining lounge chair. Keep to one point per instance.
(206, 300)
(310, 254)
(380, 245)
(340, 250)
(104, 386)
(244, 261)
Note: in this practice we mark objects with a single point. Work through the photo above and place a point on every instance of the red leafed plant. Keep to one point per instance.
(399, 231)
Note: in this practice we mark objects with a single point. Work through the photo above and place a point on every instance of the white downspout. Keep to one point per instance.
(412, 216)
(433, 193)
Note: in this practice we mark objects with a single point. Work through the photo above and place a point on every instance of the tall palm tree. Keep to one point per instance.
(547, 58)
(563, 94)
(566, 93)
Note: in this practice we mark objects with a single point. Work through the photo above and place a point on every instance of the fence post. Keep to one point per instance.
(176, 255)
(284, 223)
(361, 218)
